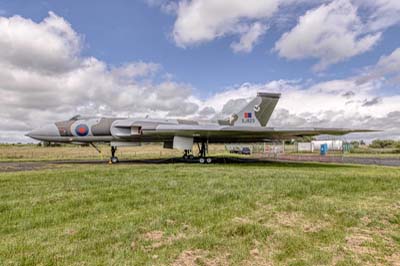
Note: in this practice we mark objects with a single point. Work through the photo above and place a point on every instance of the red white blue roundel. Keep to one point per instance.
(82, 130)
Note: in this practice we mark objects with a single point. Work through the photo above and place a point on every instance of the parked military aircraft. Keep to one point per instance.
(247, 125)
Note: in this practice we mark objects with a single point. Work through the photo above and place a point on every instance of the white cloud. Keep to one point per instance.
(201, 21)
(327, 104)
(44, 78)
(383, 13)
(330, 33)
(51, 45)
(136, 70)
(388, 68)
(345, 103)
(36, 93)
(249, 38)
(390, 65)
(167, 6)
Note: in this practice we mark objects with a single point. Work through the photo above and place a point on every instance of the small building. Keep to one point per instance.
(305, 147)
(333, 145)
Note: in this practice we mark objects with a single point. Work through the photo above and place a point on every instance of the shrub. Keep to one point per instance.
(382, 144)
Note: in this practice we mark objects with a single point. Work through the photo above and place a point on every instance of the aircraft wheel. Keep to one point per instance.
(202, 160)
(114, 160)
(191, 157)
(185, 157)
(209, 160)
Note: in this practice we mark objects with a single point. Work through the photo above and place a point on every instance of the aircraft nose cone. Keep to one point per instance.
(44, 133)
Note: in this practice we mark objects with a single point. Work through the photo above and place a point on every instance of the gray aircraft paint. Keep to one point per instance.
(247, 125)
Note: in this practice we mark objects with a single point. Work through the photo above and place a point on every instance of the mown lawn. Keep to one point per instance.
(257, 214)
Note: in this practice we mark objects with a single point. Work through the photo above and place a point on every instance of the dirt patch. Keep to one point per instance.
(297, 220)
(394, 259)
(190, 258)
(158, 239)
(288, 219)
(154, 236)
(365, 220)
(314, 227)
(71, 232)
(356, 243)
(200, 257)
(133, 246)
(242, 220)
(259, 256)
(293, 220)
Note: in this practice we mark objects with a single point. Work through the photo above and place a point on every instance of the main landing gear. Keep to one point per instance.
(113, 158)
(203, 150)
(202, 157)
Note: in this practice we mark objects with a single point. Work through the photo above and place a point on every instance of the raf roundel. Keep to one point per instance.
(82, 130)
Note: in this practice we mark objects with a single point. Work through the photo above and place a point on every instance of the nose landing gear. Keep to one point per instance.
(113, 159)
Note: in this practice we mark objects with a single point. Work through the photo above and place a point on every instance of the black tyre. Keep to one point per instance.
(114, 160)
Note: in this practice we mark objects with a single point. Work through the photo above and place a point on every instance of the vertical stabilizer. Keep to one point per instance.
(258, 112)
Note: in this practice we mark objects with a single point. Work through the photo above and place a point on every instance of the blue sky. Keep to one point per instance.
(123, 31)
(185, 57)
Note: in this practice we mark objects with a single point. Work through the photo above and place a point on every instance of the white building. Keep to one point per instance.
(333, 145)
(305, 147)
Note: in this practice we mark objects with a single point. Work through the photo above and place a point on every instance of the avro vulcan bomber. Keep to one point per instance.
(249, 125)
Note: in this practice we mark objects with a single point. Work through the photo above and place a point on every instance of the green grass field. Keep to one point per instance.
(176, 214)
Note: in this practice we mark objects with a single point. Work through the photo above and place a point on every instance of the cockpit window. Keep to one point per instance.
(77, 117)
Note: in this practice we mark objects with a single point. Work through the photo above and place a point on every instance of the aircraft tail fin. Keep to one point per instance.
(257, 112)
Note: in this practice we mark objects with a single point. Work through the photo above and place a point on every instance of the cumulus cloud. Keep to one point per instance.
(206, 112)
(136, 70)
(49, 46)
(330, 33)
(303, 106)
(201, 21)
(249, 38)
(336, 103)
(372, 102)
(388, 68)
(53, 88)
(44, 78)
(382, 13)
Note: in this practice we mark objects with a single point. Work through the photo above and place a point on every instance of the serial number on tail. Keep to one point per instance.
(248, 121)
(248, 118)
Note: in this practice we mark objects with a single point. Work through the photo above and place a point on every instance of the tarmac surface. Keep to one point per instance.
(30, 166)
(340, 160)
